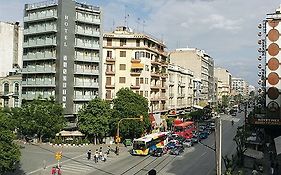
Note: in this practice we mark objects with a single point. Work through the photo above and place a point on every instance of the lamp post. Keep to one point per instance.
(118, 125)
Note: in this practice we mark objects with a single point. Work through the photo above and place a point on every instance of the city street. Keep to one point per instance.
(198, 159)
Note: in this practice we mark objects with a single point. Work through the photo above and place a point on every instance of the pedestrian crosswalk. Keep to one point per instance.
(80, 166)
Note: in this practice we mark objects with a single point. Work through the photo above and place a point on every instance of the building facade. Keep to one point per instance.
(62, 53)
(137, 61)
(239, 86)
(11, 38)
(203, 67)
(224, 82)
(180, 89)
(10, 90)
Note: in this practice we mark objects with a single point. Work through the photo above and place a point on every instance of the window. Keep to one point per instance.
(122, 79)
(122, 53)
(137, 55)
(16, 91)
(137, 81)
(6, 88)
(123, 42)
(108, 80)
(142, 54)
(146, 80)
(122, 66)
(109, 54)
(138, 42)
(141, 80)
(141, 93)
(109, 41)
(146, 93)
(146, 68)
(108, 94)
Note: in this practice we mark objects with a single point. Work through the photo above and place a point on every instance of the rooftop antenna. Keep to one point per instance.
(143, 24)
(126, 17)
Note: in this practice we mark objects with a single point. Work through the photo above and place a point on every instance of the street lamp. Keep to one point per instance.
(118, 125)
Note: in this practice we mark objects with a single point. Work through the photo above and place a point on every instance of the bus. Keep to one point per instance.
(184, 129)
(147, 144)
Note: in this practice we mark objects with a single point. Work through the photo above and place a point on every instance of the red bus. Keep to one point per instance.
(184, 129)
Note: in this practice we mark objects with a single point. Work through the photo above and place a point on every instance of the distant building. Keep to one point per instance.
(10, 90)
(180, 88)
(11, 38)
(137, 61)
(240, 86)
(62, 53)
(224, 82)
(202, 65)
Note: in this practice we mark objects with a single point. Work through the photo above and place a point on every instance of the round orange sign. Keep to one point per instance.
(273, 49)
(273, 35)
(273, 64)
(273, 78)
(273, 23)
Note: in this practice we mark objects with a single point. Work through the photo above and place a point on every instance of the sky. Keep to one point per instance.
(225, 29)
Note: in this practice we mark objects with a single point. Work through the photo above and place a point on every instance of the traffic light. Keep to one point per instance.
(141, 118)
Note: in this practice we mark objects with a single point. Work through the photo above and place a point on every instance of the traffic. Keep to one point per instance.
(183, 136)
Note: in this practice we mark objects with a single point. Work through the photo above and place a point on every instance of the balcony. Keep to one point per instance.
(110, 86)
(163, 97)
(135, 73)
(109, 72)
(155, 87)
(86, 72)
(135, 86)
(86, 85)
(83, 97)
(40, 43)
(154, 98)
(82, 45)
(110, 59)
(37, 70)
(182, 84)
(88, 20)
(36, 30)
(87, 59)
(156, 62)
(87, 32)
(135, 60)
(39, 17)
(155, 74)
(137, 66)
(164, 75)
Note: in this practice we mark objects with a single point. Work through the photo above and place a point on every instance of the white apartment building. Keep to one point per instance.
(224, 82)
(202, 65)
(137, 61)
(11, 39)
(180, 88)
(240, 86)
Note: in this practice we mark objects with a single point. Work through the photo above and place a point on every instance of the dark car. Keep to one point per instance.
(158, 152)
(171, 145)
(195, 139)
(203, 135)
(177, 150)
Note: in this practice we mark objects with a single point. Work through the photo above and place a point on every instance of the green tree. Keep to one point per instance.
(130, 105)
(94, 119)
(197, 115)
(240, 140)
(41, 117)
(9, 151)
(225, 101)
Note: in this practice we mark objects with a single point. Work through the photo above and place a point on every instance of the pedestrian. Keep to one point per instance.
(58, 171)
(108, 149)
(96, 156)
(117, 150)
(53, 170)
(100, 154)
(89, 153)
(104, 157)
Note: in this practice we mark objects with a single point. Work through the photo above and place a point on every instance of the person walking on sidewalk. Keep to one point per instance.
(96, 156)
(117, 150)
(108, 149)
(89, 153)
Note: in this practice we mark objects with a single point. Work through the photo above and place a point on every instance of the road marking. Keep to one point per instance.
(54, 164)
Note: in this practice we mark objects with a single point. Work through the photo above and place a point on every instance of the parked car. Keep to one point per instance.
(187, 143)
(203, 135)
(195, 139)
(212, 126)
(127, 142)
(177, 150)
(158, 152)
(171, 145)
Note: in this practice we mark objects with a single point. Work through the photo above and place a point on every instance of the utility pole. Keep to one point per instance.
(218, 144)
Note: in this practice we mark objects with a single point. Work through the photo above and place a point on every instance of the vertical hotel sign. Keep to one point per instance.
(66, 52)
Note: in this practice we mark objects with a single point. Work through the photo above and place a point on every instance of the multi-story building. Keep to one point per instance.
(11, 37)
(224, 82)
(240, 86)
(137, 61)
(62, 53)
(203, 67)
(180, 88)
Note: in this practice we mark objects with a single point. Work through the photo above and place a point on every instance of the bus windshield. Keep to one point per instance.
(139, 145)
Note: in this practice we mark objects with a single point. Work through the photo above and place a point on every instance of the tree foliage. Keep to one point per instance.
(94, 118)
(9, 151)
(130, 105)
(225, 101)
(240, 140)
(42, 117)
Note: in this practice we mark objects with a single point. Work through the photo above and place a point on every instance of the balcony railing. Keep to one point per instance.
(110, 59)
(40, 30)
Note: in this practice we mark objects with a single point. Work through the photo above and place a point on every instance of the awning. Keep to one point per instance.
(277, 141)
(70, 133)
(198, 107)
(137, 65)
(253, 153)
